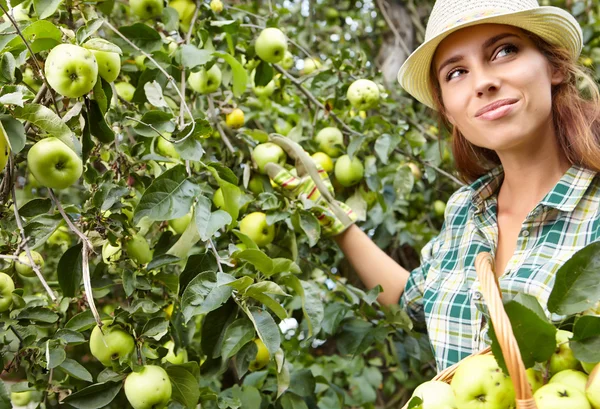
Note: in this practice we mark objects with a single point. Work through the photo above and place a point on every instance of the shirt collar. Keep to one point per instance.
(564, 196)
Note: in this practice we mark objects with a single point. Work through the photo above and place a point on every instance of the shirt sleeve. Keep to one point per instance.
(411, 299)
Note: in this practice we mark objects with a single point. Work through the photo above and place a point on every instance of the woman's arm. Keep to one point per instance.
(373, 265)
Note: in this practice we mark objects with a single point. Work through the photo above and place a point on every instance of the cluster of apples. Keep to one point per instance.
(479, 383)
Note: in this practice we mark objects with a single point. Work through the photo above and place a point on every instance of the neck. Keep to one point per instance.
(530, 174)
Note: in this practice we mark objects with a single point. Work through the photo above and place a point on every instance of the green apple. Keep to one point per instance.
(324, 160)
(125, 90)
(255, 226)
(185, 9)
(572, 378)
(588, 367)
(310, 65)
(262, 357)
(181, 223)
(271, 45)
(282, 126)
(140, 62)
(206, 82)
(114, 344)
(109, 64)
(60, 237)
(216, 6)
(71, 70)
(30, 79)
(255, 185)
(592, 388)
(263, 91)
(7, 286)
(150, 388)
(146, 9)
(330, 141)
(166, 148)
(363, 94)
(111, 254)
(369, 196)
(20, 398)
(219, 201)
(349, 171)
(563, 357)
(176, 359)
(439, 208)
(479, 383)
(268, 152)
(235, 119)
(138, 249)
(23, 265)
(288, 61)
(535, 378)
(558, 396)
(435, 395)
(414, 169)
(54, 164)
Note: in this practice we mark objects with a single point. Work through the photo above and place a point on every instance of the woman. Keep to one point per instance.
(503, 76)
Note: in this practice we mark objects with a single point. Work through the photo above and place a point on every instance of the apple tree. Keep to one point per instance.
(147, 260)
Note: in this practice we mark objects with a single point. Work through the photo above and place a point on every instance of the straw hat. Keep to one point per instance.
(553, 24)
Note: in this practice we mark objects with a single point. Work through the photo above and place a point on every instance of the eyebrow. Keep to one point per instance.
(491, 41)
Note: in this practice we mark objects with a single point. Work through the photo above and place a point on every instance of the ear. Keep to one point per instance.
(558, 77)
(450, 118)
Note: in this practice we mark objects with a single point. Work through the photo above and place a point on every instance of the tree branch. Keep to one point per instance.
(213, 116)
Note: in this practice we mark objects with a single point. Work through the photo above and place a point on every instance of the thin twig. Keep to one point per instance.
(35, 267)
(213, 116)
(73, 228)
(149, 126)
(37, 65)
(245, 11)
(214, 249)
(440, 171)
(40, 94)
(87, 283)
(398, 38)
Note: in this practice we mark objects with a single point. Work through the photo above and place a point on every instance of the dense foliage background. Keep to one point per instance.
(331, 344)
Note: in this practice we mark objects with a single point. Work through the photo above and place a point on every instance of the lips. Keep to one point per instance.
(495, 105)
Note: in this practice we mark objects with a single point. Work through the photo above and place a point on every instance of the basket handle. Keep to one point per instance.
(508, 344)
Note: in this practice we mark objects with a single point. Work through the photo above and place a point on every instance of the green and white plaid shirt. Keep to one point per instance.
(444, 293)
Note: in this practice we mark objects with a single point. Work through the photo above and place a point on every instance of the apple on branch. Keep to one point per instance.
(268, 152)
(271, 45)
(255, 226)
(71, 70)
(150, 388)
(7, 286)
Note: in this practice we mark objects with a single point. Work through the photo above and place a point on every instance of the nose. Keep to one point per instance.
(486, 82)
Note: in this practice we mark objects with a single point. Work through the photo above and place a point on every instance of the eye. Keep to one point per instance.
(507, 47)
(451, 73)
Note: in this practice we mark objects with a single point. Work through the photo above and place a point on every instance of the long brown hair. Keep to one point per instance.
(575, 111)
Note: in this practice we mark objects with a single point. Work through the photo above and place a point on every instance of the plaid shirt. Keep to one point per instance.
(444, 293)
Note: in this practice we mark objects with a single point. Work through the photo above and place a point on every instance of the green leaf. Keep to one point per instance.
(292, 401)
(155, 327)
(35, 207)
(154, 94)
(170, 196)
(99, 128)
(143, 36)
(76, 370)
(214, 326)
(263, 74)
(309, 224)
(160, 120)
(87, 30)
(201, 130)
(209, 223)
(39, 228)
(46, 8)
(95, 396)
(302, 383)
(577, 284)
(258, 259)
(162, 260)
(312, 306)
(265, 287)
(70, 271)
(41, 35)
(38, 314)
(535, 335)
(69, 336)
(56, 356)
(13, 98)
(224, 173)
(7, 68)
(4, 397)
(184, 385)
(205, 293)
(15, 131)
(100, 44)
(358, 335)
(241, 283)
(192, 57)
(240, 76)
(238, 334)
(81, 322)
(271, 304)
(46, 120)
(586, 339)
(266, 328)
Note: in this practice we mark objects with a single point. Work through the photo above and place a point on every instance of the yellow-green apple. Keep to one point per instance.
(20, 398)
(71, 70)
(254, 225)
(288, 61)
(559, 396)
(146, 9)
(54, 164)
(417, 174)
(571, 377)
(330, 141)
(30, 79)
(479, 383)
(60, 237)
(166, 148)
(435, 395)
(349, 172)
(324, 160)
(7, 286)
(592, 388)
(268, 152)
(138, 249)
(271, 45)
(535, 378)
(205, 82)
(588, 367)
(216, 6)
(363, 94)
(114, 344)
(282, 126)
(109, 64)
(563, 357)
(125, 90)
(439, 207)
(262, 357)
(310, 65)
(255, 185)
(23, 266)
(111, 254)
(235, 119)
(185, 9)
(176, 359)
(181, 223)
(263, 91)
(150, 388)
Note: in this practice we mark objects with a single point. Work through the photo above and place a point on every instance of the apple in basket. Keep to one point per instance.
(435, 395)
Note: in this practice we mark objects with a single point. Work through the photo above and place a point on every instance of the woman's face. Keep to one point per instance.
(489, 63)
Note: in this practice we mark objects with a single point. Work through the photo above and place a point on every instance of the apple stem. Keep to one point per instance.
(24, 241)
(214, 249)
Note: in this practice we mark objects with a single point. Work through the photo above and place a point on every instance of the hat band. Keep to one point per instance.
(473, 16)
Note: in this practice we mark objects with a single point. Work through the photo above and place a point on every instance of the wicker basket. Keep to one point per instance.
(493, 297)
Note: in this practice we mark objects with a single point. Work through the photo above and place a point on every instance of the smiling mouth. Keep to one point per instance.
(498, 113)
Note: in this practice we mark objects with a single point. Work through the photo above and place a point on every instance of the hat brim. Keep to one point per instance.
(553, 24)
